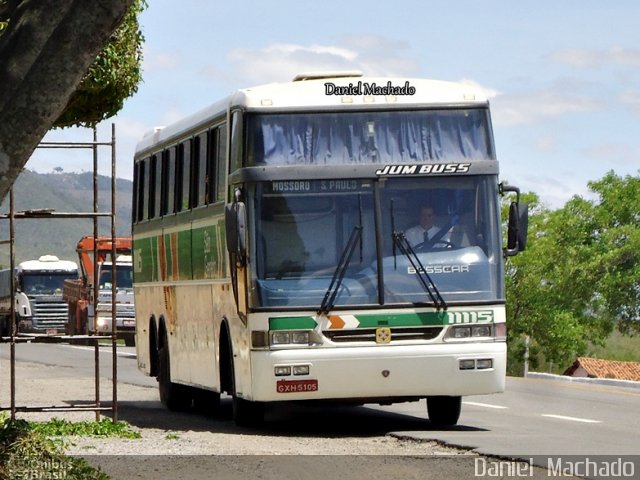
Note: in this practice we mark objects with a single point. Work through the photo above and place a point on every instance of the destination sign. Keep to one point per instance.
(315, 186)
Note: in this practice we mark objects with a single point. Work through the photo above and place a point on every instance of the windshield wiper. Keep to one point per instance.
(405, 247)
(338, 275)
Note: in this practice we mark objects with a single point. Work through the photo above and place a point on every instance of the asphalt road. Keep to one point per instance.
(546, 417)
(533, 419)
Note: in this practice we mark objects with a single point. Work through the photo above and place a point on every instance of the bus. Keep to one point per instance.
(272, 257)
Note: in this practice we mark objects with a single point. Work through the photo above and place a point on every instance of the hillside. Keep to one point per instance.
(63, 192)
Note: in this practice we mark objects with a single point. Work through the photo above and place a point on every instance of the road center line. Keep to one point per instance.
(571, 419)
(486, 405)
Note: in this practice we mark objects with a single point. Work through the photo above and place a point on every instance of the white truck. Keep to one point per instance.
(39, 305)
(125, 307)
(80, 293)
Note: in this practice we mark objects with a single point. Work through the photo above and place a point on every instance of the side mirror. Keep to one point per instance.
(518, 223)
(517, 228)
(235, 226)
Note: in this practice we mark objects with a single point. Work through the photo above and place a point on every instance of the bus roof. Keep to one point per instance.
(318, 92)
(358, 92)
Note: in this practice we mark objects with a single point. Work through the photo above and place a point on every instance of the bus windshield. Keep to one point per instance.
(303, 228)
(369, 137)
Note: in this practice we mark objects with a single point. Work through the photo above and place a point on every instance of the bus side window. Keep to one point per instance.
(158, 184)
(153, 172)
(182, 176)
(236, 142)
(216, 161)
(186, 173)
(200, 170)
(143, 190)
(221, 158)
(192, 200)
(136, 183)
(168, 180)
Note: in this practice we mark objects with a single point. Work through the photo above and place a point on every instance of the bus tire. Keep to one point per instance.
(444, 411)
(172, 395)
(206, 402)
(246, 413)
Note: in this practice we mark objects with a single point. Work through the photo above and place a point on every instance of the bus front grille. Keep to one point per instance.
(369, 334)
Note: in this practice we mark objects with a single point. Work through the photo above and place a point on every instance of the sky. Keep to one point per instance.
(563, 77)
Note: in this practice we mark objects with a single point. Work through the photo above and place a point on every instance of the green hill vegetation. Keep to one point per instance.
(62, 192)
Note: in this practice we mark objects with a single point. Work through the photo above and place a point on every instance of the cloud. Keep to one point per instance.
(552, 191)
(584, 58)
(631, 100)
(616, 154)
(538, 106)
(155, 61)
(546, 144)
(371, 54)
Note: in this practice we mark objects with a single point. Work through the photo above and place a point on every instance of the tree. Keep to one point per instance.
(549, 291)
(46, 48)
(579, 276)
(617, 215)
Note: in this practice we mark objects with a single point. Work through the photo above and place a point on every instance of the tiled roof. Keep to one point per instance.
(597, 368)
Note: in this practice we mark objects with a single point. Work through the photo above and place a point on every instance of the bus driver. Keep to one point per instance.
(426, 230)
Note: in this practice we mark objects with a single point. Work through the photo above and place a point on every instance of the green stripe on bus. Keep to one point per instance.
(144, 260)
(184, 255)
(196, 253)
(402, 319)
(367, 321)
(292, 323)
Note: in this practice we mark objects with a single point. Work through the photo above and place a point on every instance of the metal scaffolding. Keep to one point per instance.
(16, 338)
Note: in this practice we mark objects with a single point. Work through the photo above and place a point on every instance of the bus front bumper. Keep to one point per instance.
(380, 372)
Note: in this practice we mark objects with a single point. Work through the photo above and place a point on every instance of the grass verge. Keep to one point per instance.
(35, 449)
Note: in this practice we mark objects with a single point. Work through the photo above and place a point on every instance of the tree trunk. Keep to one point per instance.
(44, 54)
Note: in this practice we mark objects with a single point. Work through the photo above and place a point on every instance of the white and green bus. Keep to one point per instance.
(273, 259)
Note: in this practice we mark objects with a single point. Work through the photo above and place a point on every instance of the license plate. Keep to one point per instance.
(52, 331)
(129, 323)
(297, 386)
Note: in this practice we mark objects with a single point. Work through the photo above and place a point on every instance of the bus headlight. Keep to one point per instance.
(301, 369)
(461, 332)
(297, 337)
(280, 338)
(282, 371)
(481, 331)
(300, 338)
(484, 363)
(470, 331)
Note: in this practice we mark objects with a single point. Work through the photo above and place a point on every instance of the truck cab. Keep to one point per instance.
(125, 309)
(40, 307)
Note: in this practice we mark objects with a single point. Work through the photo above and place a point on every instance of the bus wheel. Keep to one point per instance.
(206, 402)
(245, 413)
(444, 411)
(174, 396)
